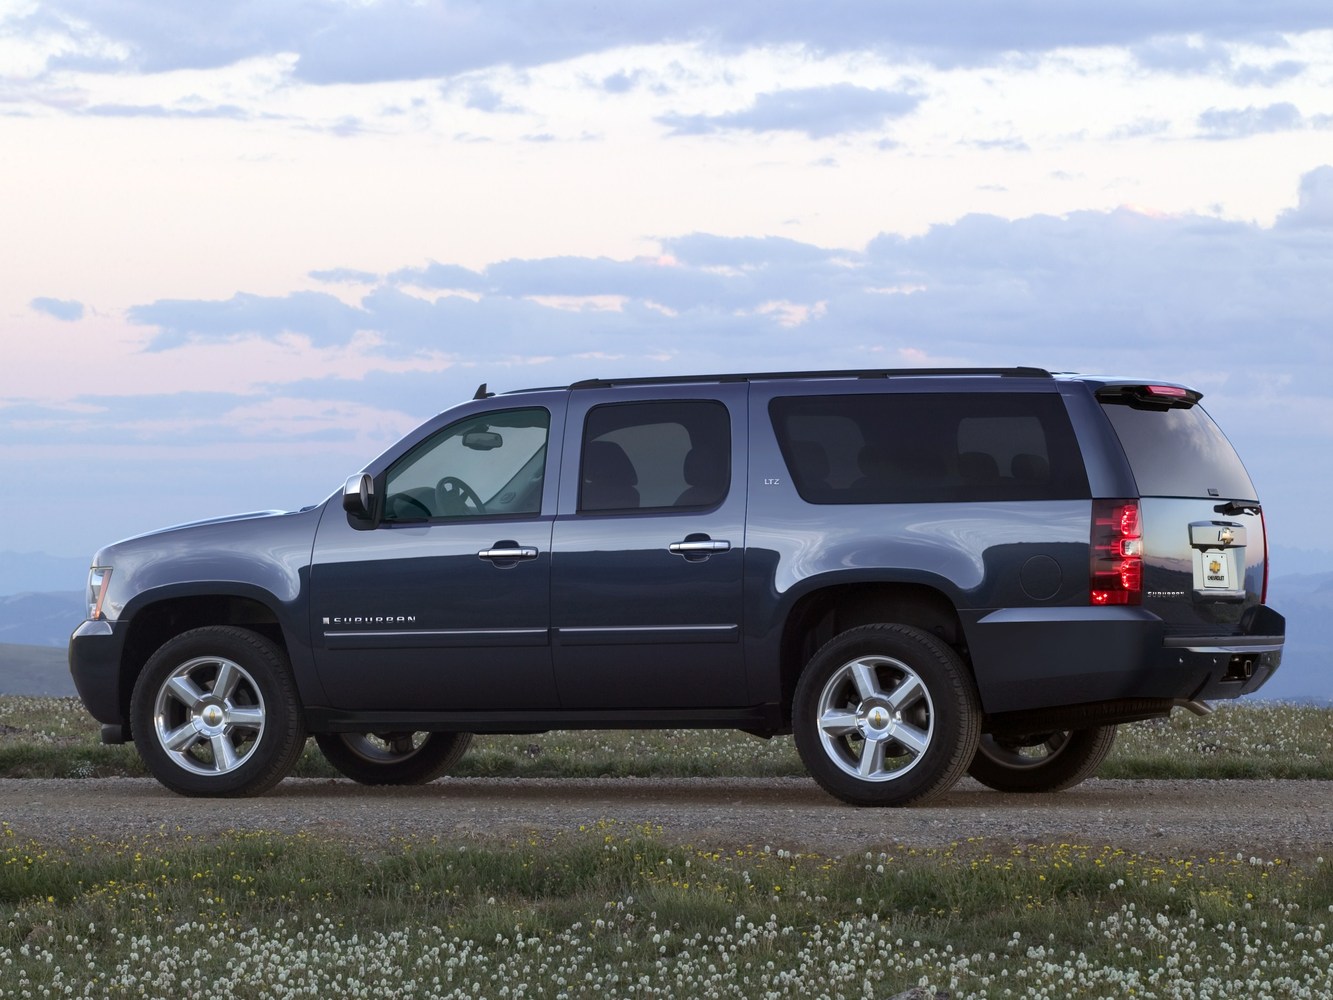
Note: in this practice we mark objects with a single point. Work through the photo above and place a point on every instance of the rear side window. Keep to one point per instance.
(929, 447)
(659, 455)
(1178, 452)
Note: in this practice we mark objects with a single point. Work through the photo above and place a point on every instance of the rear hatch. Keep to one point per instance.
(1204, 551)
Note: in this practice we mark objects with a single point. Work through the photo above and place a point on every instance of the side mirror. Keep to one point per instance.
(359, 496)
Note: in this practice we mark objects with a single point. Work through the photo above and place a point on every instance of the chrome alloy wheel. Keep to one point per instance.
(875, 718)
(1026, 754)
(384, 748)
(209, 715)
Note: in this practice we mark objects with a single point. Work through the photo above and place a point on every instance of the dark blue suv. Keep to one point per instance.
(918, 573)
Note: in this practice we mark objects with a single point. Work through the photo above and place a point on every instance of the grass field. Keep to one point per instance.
(611, 911)
(615, 912)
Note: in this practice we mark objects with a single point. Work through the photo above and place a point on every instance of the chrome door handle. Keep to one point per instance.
(505, 553)
(700, 547)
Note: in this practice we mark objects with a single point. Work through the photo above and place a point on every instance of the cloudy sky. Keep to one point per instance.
(247, 244)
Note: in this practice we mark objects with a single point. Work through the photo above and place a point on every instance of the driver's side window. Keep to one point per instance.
(489, 465)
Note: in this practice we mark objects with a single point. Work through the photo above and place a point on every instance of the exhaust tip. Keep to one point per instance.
(1197, 707)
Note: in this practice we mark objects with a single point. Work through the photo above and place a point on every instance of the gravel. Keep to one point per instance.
(1264, 819)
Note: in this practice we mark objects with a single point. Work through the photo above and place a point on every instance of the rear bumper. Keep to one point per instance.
(1035, 658)
(94, 663)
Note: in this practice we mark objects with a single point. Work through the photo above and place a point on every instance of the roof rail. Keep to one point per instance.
(868, 373)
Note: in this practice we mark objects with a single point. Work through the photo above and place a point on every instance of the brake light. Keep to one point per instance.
(1171, 391)
(1268, 556)
(1116, 570)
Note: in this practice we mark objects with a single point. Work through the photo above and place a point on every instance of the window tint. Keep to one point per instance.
(492, 464)
(654, 456)
(929, 447)
(1178, 452)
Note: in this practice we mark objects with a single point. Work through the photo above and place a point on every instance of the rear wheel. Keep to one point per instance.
(215, 712)
(886, 715)
(400, 758)
(1041, 762)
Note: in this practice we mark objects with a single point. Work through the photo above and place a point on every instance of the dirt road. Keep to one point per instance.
(1266, 819)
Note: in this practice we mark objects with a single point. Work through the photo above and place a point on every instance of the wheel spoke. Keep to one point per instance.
(246, 716)
(224, 754)
(181, 739)
(1056, 743)
(872, 758)
(838, 722)
(227, 680)
(865, 679)
(913, 740)
(910, 690)
(184, 690)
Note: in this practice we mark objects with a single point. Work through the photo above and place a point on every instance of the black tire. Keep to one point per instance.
(215, 712)
(886, 715)
(393, 758)
(1042, 762)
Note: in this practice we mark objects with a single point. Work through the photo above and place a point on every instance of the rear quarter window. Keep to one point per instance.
(929, 447)
(1178, 452)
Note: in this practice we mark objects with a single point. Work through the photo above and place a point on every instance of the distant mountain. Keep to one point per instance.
(1307, 662)
(36, 671)
(36, 572)
(41, 619)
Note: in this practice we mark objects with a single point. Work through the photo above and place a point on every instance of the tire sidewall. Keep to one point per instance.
(283, 736)
(1077, 759)
(429, 761)
(956, 715)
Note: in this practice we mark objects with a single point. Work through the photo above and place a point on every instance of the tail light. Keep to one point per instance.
(1116, 570)
(1268, 557)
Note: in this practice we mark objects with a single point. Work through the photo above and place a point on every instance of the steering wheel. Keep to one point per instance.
(453, 496)
(396, 503)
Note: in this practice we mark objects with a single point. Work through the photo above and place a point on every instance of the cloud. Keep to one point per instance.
(1077, 291)
(230, 111)
(819, 112)
(1192, 55)
(320, 317)
(621, 82)
(63, 309)
(1314, 209)
(1238, 123)
(339, 42)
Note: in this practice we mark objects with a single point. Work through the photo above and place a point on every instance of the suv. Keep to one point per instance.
(918, 573)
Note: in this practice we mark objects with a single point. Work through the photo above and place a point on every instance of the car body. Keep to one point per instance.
(918, 572)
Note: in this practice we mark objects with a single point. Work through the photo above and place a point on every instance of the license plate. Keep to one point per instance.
(1216, 569)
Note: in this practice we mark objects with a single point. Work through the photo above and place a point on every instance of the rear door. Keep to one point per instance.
(1204, 549)
(648, 549)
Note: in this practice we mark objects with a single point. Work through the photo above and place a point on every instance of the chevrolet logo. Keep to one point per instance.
(1226, 536)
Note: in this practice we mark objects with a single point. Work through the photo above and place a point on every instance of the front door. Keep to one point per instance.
(648, 550)
(445, 604)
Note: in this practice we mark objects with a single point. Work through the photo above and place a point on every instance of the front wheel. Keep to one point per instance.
(886, 715)
(215, 712)
(393, 758)
(1043, 762)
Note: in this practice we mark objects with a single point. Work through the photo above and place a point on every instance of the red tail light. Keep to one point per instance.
(1116, 571)
(1268, 558)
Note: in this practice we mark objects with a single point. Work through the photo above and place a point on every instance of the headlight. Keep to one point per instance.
(98, 579)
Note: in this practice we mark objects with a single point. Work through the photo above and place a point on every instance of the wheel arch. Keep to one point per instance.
(158, 617)
(823, 613)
